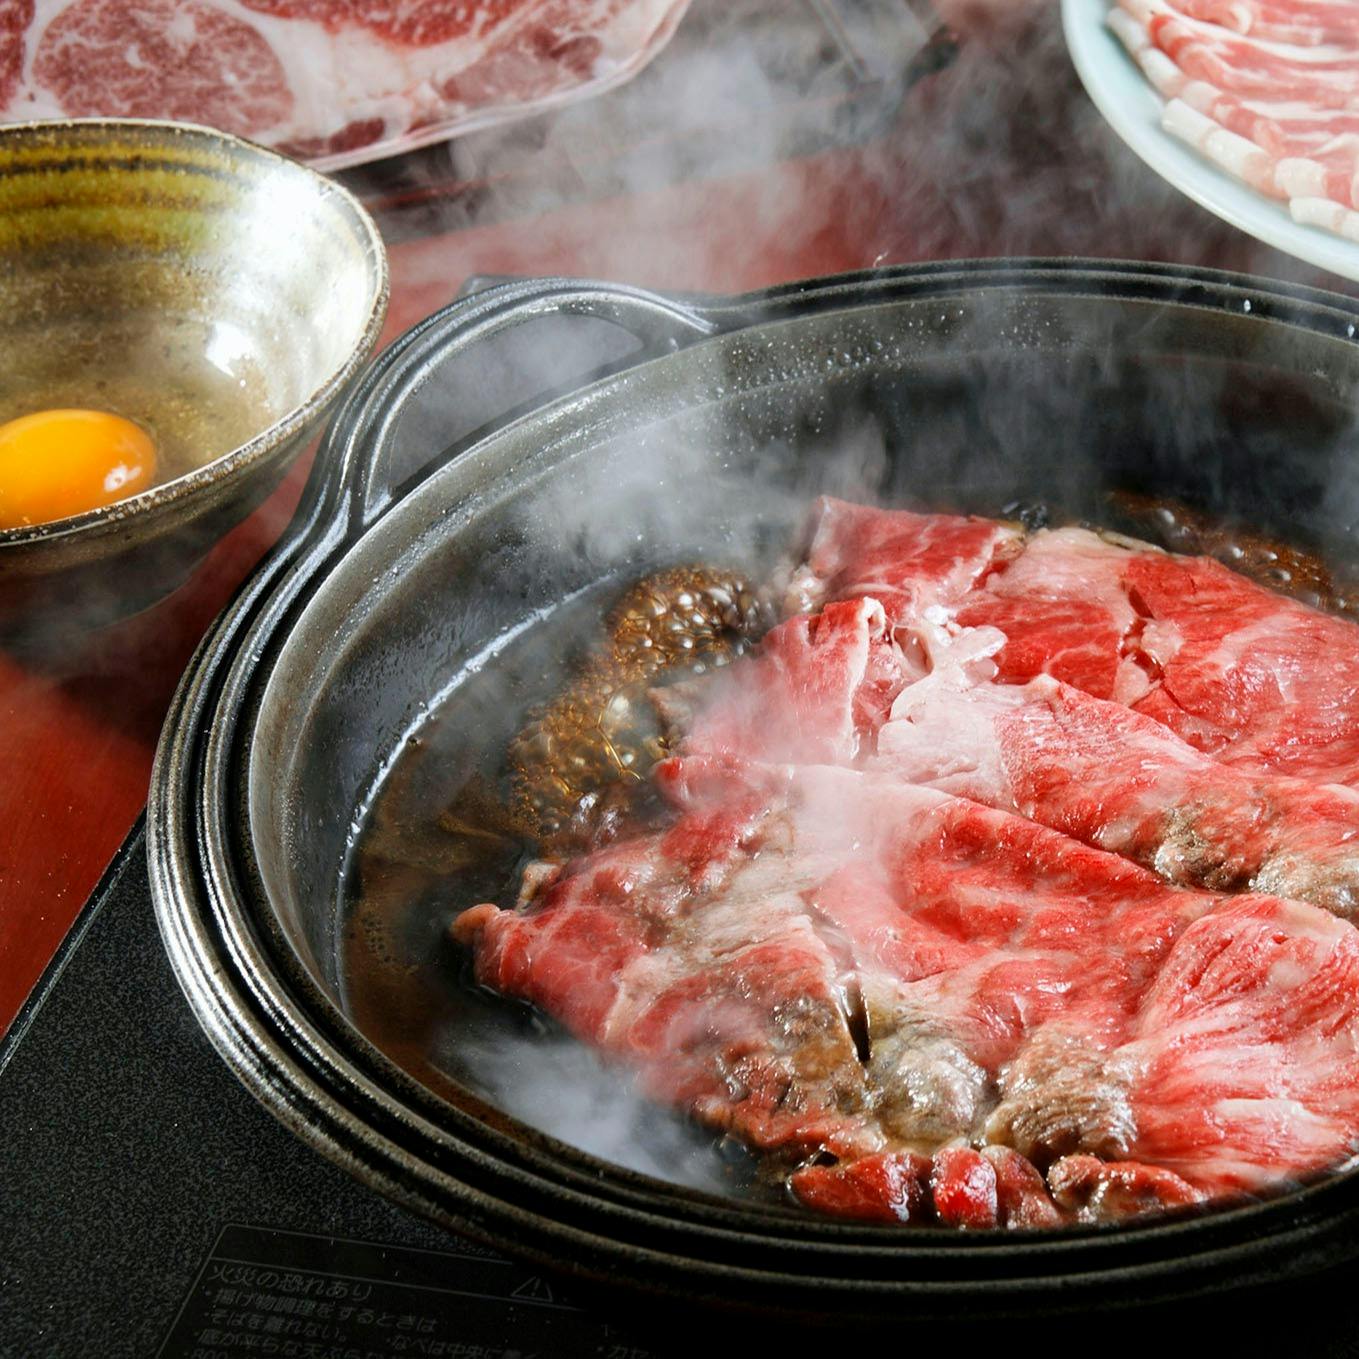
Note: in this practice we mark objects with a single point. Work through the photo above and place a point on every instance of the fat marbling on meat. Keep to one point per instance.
(867, 979)
(920, 1007)
(1115, 778)
(329, 80)
(1255, 680)
(907, 562)
(833, 688)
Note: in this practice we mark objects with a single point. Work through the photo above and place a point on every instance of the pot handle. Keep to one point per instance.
(368, 465)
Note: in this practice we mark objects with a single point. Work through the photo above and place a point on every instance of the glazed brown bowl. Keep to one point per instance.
(215, 293)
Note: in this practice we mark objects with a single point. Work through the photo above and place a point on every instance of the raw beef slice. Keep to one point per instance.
(414, 23)
(178, 59)
(819, 689)
(1063, 611)
(907, 562)
(1115, 778)
(816, 691)
(1244, 675)
(14, 21)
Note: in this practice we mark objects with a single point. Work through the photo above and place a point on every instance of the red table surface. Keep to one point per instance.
(985, 161)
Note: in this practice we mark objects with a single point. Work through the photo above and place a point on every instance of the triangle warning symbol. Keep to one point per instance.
(536, 1289)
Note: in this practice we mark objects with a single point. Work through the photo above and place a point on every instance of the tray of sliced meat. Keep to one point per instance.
(841, 802)
(1251, 107)
(334, 82)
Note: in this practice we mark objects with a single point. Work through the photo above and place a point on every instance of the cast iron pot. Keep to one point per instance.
(456, 501)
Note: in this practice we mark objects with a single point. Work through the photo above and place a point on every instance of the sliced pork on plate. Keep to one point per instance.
(1266, 89)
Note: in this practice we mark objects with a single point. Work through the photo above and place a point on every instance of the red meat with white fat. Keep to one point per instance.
(1119, 780)
(835, 965)
(1257, 681)
(330, 80)
(923, 1008)
(1268, 90)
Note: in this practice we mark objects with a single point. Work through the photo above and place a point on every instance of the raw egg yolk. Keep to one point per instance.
(54, 464)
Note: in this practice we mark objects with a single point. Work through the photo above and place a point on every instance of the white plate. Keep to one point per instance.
(1133, 109)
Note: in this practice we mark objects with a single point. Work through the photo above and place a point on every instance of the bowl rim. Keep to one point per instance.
(279, 432)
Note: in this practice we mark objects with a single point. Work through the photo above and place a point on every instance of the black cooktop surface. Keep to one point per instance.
(149, 1206)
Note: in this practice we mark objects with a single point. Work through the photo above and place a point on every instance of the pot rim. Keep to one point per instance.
(299, 1055)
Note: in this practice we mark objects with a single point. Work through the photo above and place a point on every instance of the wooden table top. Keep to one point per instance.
(973, 168)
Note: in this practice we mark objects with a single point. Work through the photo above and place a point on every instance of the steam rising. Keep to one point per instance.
(757, 149)
(565, 1090)
(977, 408)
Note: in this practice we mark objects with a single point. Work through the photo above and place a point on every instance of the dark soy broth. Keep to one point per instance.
(436, 840)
